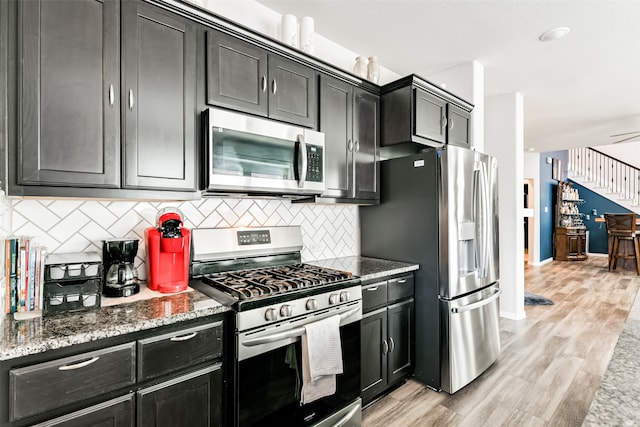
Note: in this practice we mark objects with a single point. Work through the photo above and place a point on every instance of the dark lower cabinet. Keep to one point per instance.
(387, 335)
(193, 400)
(119, 412)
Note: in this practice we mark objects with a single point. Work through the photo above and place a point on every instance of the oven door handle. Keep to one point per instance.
(293, 333)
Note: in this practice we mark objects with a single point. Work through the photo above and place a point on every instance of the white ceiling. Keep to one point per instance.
(577, 90)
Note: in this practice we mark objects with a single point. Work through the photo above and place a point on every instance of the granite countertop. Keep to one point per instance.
(367, 268)
(39, 334)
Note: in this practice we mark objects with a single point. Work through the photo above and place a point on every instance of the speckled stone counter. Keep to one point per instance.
(367, 268)
(616, 400)
(39, 334)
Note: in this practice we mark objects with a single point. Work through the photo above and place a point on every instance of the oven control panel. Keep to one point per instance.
(254, 237)
(299, 307)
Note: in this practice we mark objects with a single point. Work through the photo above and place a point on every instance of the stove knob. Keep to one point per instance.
(334, 299)
(311, 304)
(271, 314)
(286, 311)
(344, 296)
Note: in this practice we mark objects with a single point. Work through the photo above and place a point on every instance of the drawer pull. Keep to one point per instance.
(372, 289)
(184, 337)
(402, 281)
(79, 365)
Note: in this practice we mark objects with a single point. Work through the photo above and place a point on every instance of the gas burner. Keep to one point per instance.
(248, 284)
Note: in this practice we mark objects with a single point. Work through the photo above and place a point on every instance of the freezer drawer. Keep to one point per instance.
(470, 337)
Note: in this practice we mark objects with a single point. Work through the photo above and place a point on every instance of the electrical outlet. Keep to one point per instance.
(588, 217)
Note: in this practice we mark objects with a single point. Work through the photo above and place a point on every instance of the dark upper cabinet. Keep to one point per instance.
(245, 77)
(458, 126)
(158, 96)
(106, 99)
(68, 91)
(366, 120)
(349, 119)
(416, 111)
(236, 74)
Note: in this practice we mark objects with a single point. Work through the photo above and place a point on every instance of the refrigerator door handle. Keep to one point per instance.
(478, 304)
(485, 224)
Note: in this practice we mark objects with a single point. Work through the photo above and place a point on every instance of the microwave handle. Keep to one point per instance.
(302, 153)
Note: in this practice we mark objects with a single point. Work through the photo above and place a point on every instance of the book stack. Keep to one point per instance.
(24, 274)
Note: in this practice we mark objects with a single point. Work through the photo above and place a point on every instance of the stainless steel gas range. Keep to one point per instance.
(258, 273)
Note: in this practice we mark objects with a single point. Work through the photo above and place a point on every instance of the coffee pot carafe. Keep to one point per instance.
(121, 276)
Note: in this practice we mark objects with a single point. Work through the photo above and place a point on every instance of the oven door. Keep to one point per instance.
(249, 154)
(269, 387)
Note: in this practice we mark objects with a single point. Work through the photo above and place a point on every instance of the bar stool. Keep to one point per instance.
(622, 227)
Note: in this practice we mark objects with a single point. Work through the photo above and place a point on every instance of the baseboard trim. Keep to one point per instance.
(512, 315)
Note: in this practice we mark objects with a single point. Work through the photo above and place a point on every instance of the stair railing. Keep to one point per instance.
(613, 176)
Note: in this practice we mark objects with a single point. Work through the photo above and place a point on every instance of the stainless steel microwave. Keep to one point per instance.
(252, 155)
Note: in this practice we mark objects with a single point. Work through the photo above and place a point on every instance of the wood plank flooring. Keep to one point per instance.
(551, 363)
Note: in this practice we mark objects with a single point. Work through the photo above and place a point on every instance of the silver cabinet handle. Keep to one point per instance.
(274, 87)
(392, 345)
(385, 347)
(371, 289)
(443, 122)
(184, 337)
(349, 145)
(401, 281)
(264, 83)
(131, 99)
(79, 365)
(111, 95)
(357, 148)
(450, 124)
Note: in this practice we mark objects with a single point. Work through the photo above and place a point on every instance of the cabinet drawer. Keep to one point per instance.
(400, 288)
(39, 388)
(374, 295)
(181, 349)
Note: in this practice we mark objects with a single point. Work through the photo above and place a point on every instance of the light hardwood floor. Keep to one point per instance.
(551, 363)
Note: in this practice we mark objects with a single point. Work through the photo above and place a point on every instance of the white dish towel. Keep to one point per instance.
(321, 359)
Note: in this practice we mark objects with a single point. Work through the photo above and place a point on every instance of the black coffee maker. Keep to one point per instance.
(120, 275)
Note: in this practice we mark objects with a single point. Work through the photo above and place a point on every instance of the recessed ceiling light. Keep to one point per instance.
(531, 149)
(554, 34)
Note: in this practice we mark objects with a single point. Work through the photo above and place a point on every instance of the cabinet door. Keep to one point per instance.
(193, 400)
(158, 99)
(374, 351)
(401, 334)
(429, 119)
(292, 92)
(458, 126)
(68, 93)
(336, 122)
(366, 144)
(236, 74)
(117, 412)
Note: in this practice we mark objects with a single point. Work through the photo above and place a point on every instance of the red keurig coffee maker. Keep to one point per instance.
(168, 253)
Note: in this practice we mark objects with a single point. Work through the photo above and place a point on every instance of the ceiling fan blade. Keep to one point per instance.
(627, 139)
(625, 134)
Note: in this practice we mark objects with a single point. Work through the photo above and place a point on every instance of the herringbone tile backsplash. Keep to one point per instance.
(81, 225)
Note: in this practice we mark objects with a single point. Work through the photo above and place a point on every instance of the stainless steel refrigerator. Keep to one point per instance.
(439, 209)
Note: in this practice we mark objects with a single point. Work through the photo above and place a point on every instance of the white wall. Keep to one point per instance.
(504, 139)
(467, 82)
(532, 172)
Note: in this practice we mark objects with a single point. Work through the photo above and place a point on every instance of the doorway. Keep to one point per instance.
(528, 213)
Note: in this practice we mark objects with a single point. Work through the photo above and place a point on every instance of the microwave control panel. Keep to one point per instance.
(314, 163)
